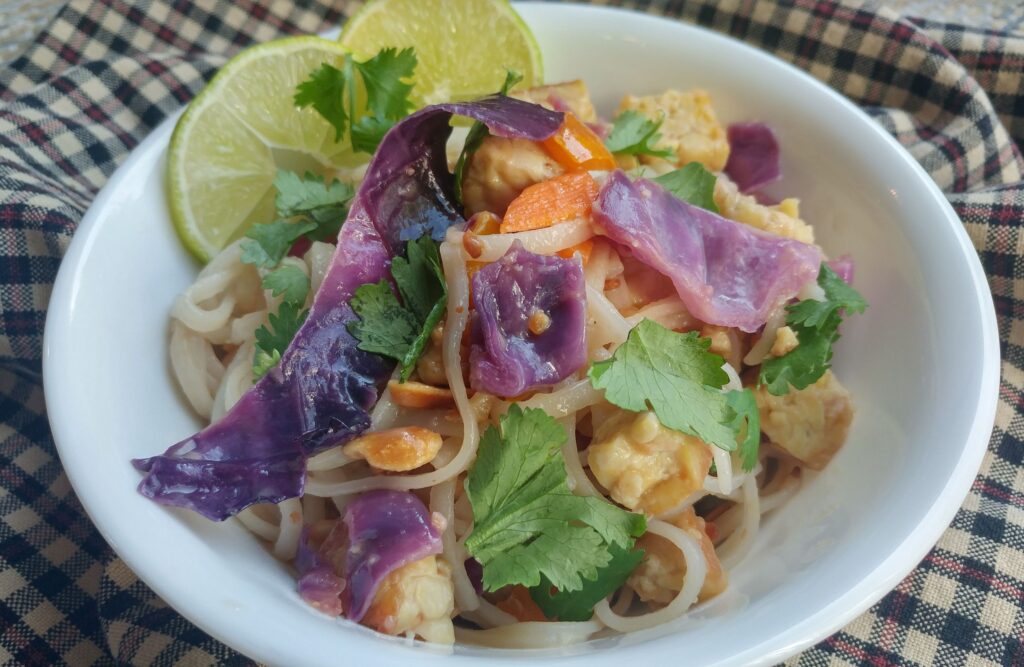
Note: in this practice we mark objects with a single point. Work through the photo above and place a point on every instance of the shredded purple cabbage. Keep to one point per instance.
(318, 583)
(386, 530)
(506, 358)
(321, 392)
(843, 266)
(753, 156)
(725, 272)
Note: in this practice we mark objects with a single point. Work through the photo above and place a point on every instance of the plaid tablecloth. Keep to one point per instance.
(106, 72)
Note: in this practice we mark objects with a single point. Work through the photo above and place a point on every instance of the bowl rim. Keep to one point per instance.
(890, 570)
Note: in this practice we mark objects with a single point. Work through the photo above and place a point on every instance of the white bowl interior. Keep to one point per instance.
(835, 548)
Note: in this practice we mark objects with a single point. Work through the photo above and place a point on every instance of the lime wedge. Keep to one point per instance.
(464, 48)
(230, 142)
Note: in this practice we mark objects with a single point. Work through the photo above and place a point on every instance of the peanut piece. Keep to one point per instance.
(397, 449)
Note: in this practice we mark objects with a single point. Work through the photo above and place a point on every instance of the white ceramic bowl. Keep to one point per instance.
(922, 364)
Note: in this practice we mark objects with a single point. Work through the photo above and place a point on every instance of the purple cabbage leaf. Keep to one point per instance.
(318, 584)
(843, 266)
(753, 156)
(726, 273)
(386, 530)
(508, 356)
(320, 393)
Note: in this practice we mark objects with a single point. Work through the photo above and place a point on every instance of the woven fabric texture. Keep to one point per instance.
(106, 72)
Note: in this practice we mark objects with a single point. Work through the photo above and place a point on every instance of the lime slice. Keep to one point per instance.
(228, 145)
(464, 48)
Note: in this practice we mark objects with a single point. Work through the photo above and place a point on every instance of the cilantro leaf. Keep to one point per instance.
(635, 134)
(309, 196)
(747, 423)
(332, 92)
(673, 374)
(838, 296)
(384, 327)
(265, 245)
(368, 131)
(289, 282)
(384, 77)
(579, 605)
(324, 90)
(478, 132)
(527, 524)
(273, 341)
(401, 330)
(816, 325)
(693, 184)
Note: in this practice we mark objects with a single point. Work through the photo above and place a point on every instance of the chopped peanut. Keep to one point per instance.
(785, 342)
(660, 575)
(419, 395)
(539, 322)
(418, 598)
(645, 465)
(396, 450)
(811, 423)
(430, 367)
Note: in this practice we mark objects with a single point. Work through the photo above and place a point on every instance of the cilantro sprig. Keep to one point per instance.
(579, 605)
(816, 325)
(478, 132)
(635, 134)
(334, 94)
(307, 206)
(272, 341)
(400, 330)
(676, 376)
(693, 184)
(528, 527)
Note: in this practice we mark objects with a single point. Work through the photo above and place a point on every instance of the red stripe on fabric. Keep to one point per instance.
(1009, 496)
(964, 569)
(857, 652)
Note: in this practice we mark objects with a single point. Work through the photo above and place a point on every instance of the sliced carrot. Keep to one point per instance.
(543, 204)
(521, 605)
(576, 146)
(584, 249)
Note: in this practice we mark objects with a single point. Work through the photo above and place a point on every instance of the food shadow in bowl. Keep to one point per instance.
(828, 553)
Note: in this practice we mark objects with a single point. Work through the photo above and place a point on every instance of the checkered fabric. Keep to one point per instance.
(106, 72)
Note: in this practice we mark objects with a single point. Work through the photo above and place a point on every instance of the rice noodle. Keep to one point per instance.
(696, 571)
(290, 528)
(546, 241)
(257, 524)
(572, 398)
(738, 545)
(578, 481)
(605, 325)
(761, 348)
(442, 501)
(486, 614)
(669, 312)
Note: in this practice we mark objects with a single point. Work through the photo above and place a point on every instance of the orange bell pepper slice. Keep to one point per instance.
(556, 200)
(584, 249)
(575, 146)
